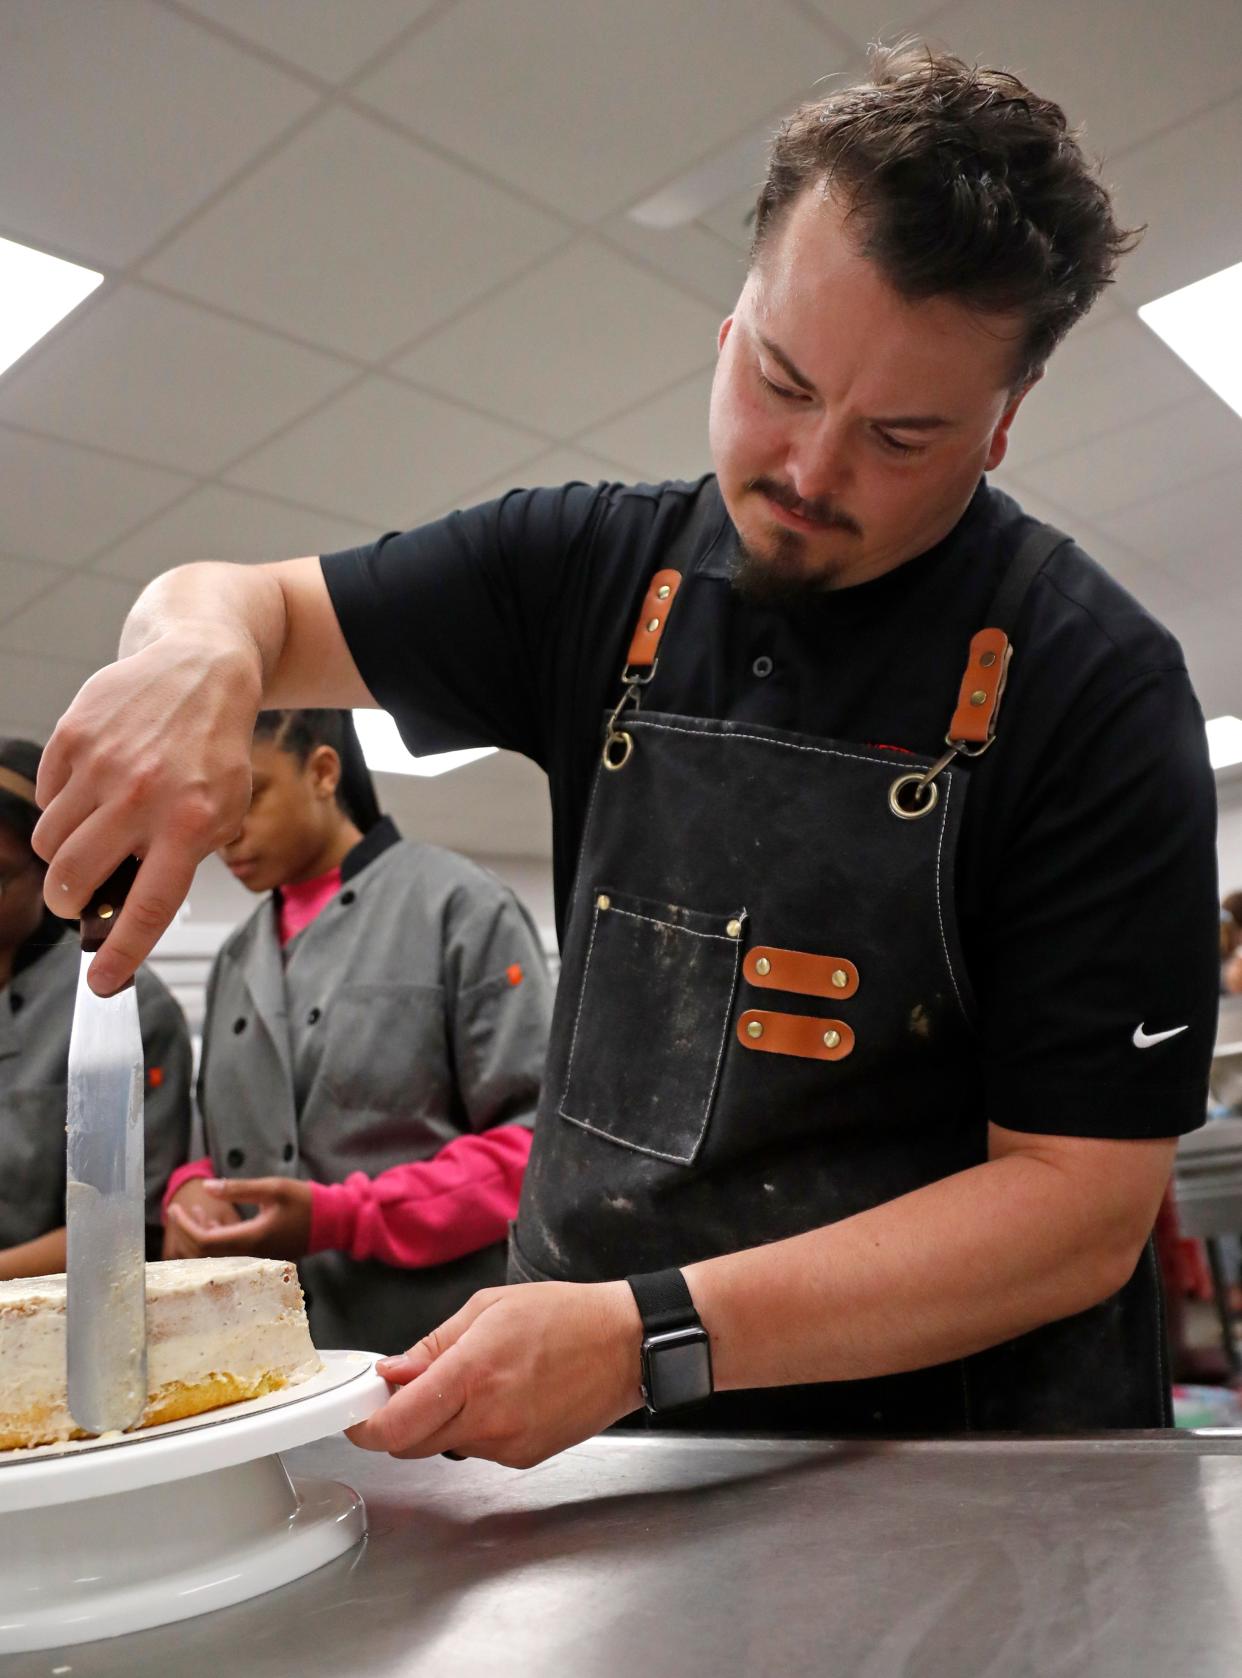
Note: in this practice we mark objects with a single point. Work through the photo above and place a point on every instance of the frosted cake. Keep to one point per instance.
(218, 1330)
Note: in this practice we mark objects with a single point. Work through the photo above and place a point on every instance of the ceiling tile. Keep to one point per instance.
(1097, 380)
(461, 809)
(35, 690)
(170, 383)
(63, 503)
(22, 579)
(219, 523)
(1188, 189)
(555, 350)
(356, 238)
(557, 467)
(80, 619)
(1192, 531)
(864, 21)
(1135, 462)
(1092, 60)
(588, 107)
(327, 40)
(386, 454)
(695, 257)
(667, 437)
(118, 119)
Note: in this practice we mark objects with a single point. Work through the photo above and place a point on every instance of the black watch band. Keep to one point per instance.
(676, 1355)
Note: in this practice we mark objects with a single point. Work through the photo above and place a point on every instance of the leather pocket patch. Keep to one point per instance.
(794, 1034)
(803, 974)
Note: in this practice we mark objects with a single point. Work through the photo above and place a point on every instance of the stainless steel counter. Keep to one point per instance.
(684, 1558)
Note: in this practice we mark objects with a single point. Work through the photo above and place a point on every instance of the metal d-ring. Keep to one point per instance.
(618, 737)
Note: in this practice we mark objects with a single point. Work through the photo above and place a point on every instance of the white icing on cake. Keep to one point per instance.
(208, 1320)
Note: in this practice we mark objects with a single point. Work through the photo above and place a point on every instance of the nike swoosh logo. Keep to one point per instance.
(1142, 1040)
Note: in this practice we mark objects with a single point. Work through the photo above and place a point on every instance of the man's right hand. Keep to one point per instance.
(152, 759)
(203, 1208)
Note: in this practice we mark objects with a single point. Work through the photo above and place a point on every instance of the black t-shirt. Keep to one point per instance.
(1086, 870)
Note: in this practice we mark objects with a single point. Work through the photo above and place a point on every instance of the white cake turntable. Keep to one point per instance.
(111, 1535)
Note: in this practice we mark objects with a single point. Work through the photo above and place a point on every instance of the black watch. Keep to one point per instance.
(677, 1354)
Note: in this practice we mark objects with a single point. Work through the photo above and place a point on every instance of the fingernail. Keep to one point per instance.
(213, 1182)
(399, 1365)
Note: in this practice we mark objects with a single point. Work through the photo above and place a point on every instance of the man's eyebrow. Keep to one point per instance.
(778, 354)
(904, 422)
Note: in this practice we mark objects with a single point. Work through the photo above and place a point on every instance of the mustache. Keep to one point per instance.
(819, 511)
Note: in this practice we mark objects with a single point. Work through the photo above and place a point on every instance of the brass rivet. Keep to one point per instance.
(603, 901)
(663, 592)
(754, 1028)
(653, 626)
(831, 1039)
(988, 660)
(840, 978)
(979, 697)
(106, 911)
(734, 929)
(763, 967)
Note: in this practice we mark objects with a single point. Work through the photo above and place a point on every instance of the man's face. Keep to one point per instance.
(849, 426)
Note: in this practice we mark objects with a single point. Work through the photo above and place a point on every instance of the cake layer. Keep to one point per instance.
(218, 1330)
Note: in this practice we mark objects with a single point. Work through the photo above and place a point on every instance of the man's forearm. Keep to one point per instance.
(238, 604)
(948, 1270)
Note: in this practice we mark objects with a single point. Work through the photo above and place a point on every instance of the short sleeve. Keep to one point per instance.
(452, 624)
(1099, 985)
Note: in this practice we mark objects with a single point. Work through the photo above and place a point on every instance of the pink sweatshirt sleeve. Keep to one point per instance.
(426, 1212)
(186, 1174)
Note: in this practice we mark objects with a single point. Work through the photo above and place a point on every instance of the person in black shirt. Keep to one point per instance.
(883, 830)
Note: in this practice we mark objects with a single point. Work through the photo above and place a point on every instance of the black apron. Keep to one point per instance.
(764, 1024)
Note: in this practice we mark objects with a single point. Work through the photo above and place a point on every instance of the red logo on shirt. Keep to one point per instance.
(155, 1077)
(514, 974)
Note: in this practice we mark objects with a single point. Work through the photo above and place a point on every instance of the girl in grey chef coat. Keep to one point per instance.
(372, 1053)
(39, 960)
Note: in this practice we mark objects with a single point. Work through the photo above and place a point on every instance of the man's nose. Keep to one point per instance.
(819, 463)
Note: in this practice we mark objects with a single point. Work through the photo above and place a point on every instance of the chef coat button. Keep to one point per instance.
(734, 929)
(313, 1017)
(831, 1039)
(235, 1158)
(762, 666)
(840, 978)
(754, 1028)
(347, 897)
(763, 967)
(238, 1027)
(286, 1153)
(16, 1002)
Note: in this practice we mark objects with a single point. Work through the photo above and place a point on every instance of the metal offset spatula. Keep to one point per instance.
(105, 1213)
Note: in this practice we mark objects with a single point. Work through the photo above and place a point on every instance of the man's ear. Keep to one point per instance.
(726, 326)
(999, 446)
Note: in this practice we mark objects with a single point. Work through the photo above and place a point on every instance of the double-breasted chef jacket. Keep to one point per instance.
(386, 1028)
(782, 1000)
(36, 1016)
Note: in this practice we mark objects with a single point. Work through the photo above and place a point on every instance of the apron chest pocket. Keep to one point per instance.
(652, 1023)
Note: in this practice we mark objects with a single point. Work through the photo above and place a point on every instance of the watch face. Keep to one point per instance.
(678, 1368)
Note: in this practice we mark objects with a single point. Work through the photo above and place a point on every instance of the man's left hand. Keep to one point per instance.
(516, 1375)
(279, 1229)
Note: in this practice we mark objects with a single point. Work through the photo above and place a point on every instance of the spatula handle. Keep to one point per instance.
(100, 913)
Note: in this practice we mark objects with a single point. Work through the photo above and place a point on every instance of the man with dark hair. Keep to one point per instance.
(866, 1070)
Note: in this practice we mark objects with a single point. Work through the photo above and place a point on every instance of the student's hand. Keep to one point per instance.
(517, 1375)
(205, 1210)
(279, 1229)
